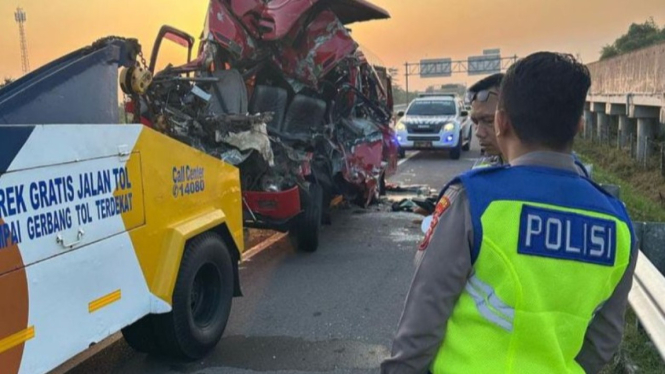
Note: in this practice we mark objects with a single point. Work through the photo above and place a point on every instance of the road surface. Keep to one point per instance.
(333, 311)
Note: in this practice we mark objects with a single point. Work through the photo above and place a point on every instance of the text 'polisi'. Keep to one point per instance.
(567, 236)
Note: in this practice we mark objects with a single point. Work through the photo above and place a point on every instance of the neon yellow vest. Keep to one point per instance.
(486, 162)
(539, 273)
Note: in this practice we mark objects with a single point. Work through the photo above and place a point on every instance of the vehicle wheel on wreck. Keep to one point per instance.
(383, 190)
(306, 227)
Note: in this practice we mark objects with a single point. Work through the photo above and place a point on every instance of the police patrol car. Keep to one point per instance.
(434, 122)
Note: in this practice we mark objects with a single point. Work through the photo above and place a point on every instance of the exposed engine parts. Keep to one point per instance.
(294, 103)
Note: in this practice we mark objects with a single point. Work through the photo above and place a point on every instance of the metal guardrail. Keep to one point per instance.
(648, 301)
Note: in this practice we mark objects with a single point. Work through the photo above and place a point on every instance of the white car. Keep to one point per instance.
(434, 123)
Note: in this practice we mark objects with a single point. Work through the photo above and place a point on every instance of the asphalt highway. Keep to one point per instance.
(332, 311)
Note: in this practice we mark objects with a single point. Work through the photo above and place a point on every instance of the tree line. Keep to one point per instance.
(639, 35)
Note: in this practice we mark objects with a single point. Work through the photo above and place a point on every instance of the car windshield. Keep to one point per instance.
(432, 108)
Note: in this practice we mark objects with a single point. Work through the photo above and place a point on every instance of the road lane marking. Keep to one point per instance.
(247, 255)
(400, 162)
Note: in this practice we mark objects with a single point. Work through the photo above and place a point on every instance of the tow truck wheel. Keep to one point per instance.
(305, 234)
(141, 337)
(201, 300)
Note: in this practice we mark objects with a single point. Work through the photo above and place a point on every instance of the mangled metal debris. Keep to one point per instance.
(281, 90)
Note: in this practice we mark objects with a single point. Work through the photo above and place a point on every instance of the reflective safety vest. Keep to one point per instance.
(549, 249)
(486, 162)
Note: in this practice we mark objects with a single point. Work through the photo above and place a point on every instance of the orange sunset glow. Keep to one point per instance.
(418, 28)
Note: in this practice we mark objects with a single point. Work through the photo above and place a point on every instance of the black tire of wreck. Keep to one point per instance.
(401, 153)
(305, 232)
(202, 300)
(456, 152)
(383, 191)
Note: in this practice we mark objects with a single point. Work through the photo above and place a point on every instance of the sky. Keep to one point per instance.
(418, 29)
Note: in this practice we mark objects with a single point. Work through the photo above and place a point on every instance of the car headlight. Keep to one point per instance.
(400, 126)
(449, 127)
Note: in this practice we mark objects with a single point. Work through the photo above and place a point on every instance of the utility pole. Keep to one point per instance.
(21, 18)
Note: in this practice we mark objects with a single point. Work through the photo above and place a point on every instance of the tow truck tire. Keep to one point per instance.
(201, 300)
(305, 234)
(141, 337)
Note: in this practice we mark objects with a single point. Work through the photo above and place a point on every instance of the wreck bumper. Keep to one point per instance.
(271, 208)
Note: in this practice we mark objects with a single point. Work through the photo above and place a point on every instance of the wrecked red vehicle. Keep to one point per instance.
(281, 90)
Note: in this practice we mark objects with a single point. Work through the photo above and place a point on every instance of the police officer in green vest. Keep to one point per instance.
(531, 277)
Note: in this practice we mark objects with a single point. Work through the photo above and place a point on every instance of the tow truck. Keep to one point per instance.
(107, 227)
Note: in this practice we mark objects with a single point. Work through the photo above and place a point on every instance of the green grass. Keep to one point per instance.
(637, 354)
(640, 207)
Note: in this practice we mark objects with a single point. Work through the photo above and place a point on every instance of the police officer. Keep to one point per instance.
(532, 277)
(483, 97)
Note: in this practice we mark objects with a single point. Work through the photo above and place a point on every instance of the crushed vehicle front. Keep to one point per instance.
(284, 93)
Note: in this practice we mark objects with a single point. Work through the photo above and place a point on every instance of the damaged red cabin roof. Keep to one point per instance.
(350, 11)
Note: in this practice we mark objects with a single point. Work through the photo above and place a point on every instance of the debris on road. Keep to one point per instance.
(415, 188)
(404, 205)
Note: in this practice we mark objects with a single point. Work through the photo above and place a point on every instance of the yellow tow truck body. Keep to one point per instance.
(112, 227)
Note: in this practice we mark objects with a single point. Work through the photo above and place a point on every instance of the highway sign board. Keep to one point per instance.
(486, 64)
(431, 68)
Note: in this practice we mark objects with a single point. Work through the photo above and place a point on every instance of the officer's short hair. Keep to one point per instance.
(492, 81)
(543, 95)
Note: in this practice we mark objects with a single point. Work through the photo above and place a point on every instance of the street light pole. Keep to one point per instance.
(406, 76)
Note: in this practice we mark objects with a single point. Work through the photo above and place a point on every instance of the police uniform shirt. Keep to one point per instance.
(442, 273)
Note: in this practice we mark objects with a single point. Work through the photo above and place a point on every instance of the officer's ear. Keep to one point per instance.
(502, 124)
(580, 125)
